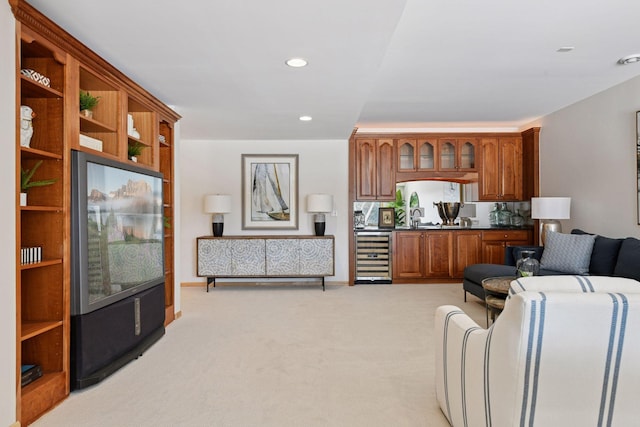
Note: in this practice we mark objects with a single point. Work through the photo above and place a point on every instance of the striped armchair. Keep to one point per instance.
(564, 352)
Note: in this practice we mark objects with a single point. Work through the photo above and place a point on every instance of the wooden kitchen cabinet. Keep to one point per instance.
(416, 155)
(457, 154)
(500, 177)
(467, 250)
(422, 254)
(375, 170)
(495, 242)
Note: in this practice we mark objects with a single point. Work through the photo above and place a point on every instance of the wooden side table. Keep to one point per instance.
(496, 290)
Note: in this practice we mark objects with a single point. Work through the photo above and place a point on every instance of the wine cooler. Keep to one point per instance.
(373, 257)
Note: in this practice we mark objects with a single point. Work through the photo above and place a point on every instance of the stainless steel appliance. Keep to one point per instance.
(373, 257)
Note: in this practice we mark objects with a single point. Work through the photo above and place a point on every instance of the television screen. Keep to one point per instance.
(117, 227)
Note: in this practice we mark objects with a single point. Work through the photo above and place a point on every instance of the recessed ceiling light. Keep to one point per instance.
(565, 49)
(296, 62)
(306, 118)
(629, 59)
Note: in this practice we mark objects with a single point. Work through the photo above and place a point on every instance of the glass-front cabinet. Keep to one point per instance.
(416, 155)
(457, 154)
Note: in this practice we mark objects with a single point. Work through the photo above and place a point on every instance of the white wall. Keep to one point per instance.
(588, 152)
(215, 167)
(8, 224)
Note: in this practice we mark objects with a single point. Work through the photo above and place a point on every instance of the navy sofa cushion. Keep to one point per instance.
(604, 256)
(628, 259)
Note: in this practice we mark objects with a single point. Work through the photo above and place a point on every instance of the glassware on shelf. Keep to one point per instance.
(517, 220)
(527, 265)
(504, 215)
(493, 215)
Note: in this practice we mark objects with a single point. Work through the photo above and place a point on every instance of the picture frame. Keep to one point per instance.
(386, 218)
(269, 191)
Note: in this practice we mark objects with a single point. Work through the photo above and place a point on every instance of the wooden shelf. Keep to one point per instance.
(43, 289)
(32, 329)
(32, 89)
(45, 263)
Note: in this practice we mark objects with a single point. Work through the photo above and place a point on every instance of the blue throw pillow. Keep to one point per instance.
(604, 256)
(567, 253)
(628, 259)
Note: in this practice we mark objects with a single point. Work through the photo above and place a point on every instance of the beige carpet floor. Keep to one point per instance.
(281, 356)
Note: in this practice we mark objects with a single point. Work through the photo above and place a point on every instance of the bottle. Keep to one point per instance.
(504, 215)
(517, 220)
(527, 265)
(493, 215)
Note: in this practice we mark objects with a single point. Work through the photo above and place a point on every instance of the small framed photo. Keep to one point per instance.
(386, 217)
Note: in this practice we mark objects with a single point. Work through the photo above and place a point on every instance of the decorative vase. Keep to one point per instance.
(527, 265)
(504, 215)
(23, 199)
(133, 159)
(87, 113)
(493, 215)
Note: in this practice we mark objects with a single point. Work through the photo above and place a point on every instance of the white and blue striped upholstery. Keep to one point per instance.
(550, 359)
(574, 284)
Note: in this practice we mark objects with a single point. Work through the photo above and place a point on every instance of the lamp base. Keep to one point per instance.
(218, 227)
(548, 225)
(319, 224)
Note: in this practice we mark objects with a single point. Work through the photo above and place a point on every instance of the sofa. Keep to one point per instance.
(564, 254)
(564, 352)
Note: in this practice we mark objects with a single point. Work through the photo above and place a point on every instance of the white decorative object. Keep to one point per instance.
(131, 130)
(23, 199)
(35, 76)
(93, 143)
(133, 159)
(26, 126)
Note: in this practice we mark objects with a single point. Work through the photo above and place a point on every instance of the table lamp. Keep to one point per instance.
(549, 210)
(319, 204)
(218, 205)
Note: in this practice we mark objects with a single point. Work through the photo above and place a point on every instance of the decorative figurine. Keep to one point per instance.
(26, 127)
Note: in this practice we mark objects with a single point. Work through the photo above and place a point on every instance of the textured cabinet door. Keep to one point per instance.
(248, 257)
(316, 257)
(283, 257)
(214, 257)
(489, 186)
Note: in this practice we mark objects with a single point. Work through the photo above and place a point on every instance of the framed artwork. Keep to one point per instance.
(386, 218)
(638, 161)
(269, 191)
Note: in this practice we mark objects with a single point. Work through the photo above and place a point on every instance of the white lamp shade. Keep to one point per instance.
(468, 210)
(217, 203)
(551, 207)
(319, 203)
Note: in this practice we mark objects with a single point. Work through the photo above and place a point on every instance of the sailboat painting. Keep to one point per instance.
(269, 191)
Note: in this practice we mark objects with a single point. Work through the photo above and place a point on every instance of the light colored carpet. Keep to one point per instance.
(281, 356)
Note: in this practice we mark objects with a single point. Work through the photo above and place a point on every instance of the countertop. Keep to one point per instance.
(443, 228)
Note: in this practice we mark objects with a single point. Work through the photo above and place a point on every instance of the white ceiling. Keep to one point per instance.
(372, 63)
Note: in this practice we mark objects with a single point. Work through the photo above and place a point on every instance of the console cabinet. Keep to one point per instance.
(52, 70)
(265, 256)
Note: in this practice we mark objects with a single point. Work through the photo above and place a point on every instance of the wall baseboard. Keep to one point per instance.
(258, 283)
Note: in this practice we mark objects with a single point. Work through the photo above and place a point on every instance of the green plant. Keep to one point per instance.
(167, 221)
(399, 206)
(27, 174)
(135, 148)
(88, 101)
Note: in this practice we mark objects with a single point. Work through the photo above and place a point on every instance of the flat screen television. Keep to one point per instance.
(117, 231)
